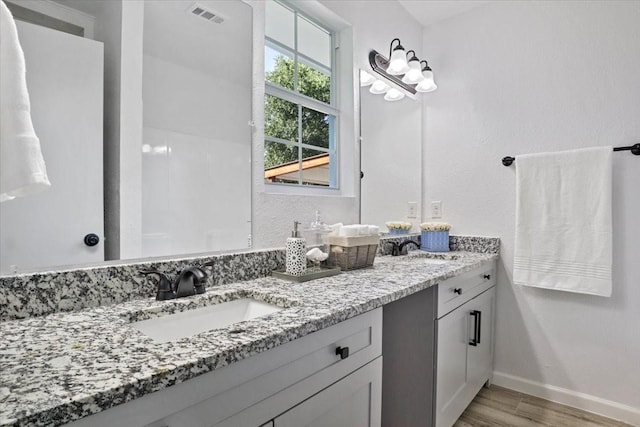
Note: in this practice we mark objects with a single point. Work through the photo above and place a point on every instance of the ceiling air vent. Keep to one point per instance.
(206, 13)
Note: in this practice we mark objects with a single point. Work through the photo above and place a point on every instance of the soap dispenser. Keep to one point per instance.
(296, 260)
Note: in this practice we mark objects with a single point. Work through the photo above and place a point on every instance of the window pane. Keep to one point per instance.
(315, 167)
(316, 127)
(313, 83)
(280, 118)
(278, 68)
(281, 162)
(314, 42)
(279, 23)
(300, 142)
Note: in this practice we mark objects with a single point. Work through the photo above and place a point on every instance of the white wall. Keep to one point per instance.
(274, 212)
(526, 77)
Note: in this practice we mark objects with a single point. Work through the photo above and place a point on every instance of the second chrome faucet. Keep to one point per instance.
(399, 248)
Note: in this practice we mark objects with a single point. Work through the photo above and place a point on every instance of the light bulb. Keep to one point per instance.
(414, 75)
(398, 62)
(428, 84)
(393, 94)
(379, 87)
(366, 79)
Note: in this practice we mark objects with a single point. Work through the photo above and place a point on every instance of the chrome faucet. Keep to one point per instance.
(407, 242)
(190, 281)
(399, 248)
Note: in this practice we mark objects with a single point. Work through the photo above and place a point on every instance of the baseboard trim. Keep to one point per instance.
(586, 402)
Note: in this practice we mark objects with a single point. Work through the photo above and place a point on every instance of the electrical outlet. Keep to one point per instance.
(436, 209)
(413, 210)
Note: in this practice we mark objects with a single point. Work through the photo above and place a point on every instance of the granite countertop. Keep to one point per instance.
(64, 366)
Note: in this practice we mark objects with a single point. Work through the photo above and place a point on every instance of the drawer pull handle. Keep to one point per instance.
(477, 324)
(457, 291)
(343, 352)
(487, 276)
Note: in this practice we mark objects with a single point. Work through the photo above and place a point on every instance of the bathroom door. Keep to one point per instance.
(65, 83)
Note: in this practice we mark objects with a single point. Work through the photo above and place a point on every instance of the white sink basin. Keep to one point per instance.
(429, 260)
(187, 323)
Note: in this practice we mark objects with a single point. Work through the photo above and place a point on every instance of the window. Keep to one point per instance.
(300, 112)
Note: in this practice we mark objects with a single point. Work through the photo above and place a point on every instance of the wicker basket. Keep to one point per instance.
(351, 253)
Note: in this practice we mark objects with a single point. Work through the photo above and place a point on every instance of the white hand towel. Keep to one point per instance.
(349, 231)
(563, 221)
(22, 168)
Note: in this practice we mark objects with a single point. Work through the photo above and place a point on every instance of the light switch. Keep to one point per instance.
(436, 209)
(413, 210)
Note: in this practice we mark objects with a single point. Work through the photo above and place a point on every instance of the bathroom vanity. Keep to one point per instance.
(319, 358)
(438, 349)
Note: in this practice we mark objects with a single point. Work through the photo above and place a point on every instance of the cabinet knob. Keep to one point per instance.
(487, 276)
(343, 352)
(91, 239)
(457, 291)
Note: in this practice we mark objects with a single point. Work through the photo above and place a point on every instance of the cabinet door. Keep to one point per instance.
(480, 357)
(65, 79)
(465, 356)
(453, 340)
(354, 401)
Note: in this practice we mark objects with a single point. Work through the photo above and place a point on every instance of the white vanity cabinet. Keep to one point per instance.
(329, 376)
(464, 344)
(435, 359)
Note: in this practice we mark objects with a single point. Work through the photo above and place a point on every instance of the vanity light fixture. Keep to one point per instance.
(416, 77)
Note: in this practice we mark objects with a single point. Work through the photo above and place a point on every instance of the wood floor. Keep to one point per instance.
(497, 406)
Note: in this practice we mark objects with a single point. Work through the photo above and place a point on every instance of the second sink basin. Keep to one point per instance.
(187, 323)
(428, 258)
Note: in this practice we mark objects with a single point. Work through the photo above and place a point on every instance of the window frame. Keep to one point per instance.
(304, 101)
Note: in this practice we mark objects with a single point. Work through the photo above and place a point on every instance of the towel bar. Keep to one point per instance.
(635, 149)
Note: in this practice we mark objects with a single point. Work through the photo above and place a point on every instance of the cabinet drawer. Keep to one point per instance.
(456, 291)
(213, 397)
(361, 336)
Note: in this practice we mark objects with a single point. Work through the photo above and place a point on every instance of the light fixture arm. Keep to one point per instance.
(391, 49)
(413, 57)
(426, 66)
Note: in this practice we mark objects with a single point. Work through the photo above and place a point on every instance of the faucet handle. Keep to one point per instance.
(211, 264)
(165, 290)
(199, 279)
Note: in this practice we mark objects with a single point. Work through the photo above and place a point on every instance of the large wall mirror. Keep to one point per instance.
(190, 159)
(391, 159)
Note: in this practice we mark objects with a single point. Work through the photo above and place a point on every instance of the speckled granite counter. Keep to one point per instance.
(67, 365)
